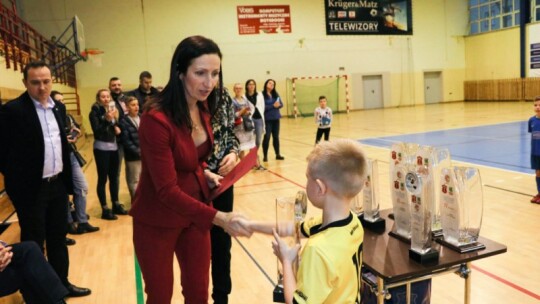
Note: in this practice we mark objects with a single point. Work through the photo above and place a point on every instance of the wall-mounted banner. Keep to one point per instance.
(368, 17)
(534, 49)
(267, 19)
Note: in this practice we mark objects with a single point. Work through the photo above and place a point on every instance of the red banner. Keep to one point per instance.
(268, 19)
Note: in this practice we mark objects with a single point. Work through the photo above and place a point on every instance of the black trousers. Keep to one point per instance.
(107, 164)
(320, 132)
(272, 128)
(30, 272)
(45, 221)
(221, 251)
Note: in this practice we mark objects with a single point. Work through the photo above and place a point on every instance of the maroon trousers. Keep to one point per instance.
(155, 248)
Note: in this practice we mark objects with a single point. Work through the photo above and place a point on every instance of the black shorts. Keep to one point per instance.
(535, 162)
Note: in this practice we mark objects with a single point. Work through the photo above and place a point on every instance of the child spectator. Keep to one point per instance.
(130, 140)
(331, 259)
(534, 129)
(323, 119)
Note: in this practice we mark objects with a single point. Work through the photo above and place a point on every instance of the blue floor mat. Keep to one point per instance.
(506, 146)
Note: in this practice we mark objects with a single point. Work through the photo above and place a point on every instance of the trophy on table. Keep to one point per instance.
(402, 156)
(419, 184)
(370, 199)
(290, 212)
(461, 208)
(441, 160)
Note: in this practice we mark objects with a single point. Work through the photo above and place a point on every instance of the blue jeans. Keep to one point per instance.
(80, 190)
(259, 128)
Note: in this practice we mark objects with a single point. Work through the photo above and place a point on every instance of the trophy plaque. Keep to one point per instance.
(461, 208)
(290, 212)
(371, 219)
(418, 185)
(401, 158)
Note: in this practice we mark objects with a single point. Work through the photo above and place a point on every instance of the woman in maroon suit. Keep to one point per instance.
(170, 212)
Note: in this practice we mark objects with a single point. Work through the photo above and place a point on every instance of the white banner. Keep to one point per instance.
(534, 50)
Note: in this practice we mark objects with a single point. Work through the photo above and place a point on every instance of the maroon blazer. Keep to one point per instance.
(172, 188)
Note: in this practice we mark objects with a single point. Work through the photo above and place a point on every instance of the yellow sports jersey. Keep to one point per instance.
(330, 262)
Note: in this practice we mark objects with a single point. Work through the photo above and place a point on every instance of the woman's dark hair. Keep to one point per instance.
(172, 100)
(274, 92)
(246, 87)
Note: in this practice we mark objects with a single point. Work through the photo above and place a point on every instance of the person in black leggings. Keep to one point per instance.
(104, 121)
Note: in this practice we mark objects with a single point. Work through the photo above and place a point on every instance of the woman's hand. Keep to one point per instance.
(228, 163)
(110, 115)
(74, 139)
(5, 257)
(117, 130)
(213, 180)
(233, 223)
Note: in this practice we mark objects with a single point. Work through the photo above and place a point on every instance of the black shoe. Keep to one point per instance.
(86, 228)
(75, 291)
(60, 302)
(107, 214)
(265, 159)
(119, 209)
(70, 242)
(279, 157)
(72, 228)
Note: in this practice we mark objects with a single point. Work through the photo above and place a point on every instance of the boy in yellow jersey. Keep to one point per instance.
(331, 259)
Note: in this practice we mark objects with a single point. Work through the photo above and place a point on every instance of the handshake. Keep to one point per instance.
(236, 224)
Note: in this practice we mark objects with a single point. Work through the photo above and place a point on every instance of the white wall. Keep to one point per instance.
(141, 35)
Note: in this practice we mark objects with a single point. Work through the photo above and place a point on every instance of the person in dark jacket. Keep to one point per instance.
(104, 121)
(145, 91)
(130, 140)
(24, 267)
(34, 158)
(80, 185)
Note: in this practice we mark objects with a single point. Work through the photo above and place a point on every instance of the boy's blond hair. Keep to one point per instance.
(341, 164)
(129, 99)
(537, 98)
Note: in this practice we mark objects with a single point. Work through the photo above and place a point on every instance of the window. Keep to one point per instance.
(536, 10)
(491, 15)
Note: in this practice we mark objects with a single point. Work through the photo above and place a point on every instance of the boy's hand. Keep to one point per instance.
(285, 254)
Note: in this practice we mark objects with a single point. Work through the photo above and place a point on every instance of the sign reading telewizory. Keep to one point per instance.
(365, 17)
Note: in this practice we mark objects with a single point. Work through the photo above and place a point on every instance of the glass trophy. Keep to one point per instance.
(357, 205)
(441, 160)
(461, 208)
(290, 212)
(370, 199)
(402, 157)
(419, 184)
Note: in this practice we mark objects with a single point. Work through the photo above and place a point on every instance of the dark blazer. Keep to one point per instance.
(142, 96)
(23, 148)
(130, 139)
(172, 186)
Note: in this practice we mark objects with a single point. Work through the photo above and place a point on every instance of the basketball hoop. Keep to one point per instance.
(94, 55)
